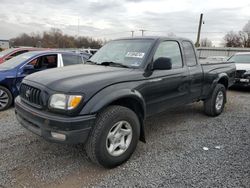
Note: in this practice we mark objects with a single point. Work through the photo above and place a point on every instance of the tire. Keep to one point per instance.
(6, 98)
(214, 105)
(98, 146)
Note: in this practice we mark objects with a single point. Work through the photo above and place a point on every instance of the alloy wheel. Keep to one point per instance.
(119, 138)
(219, 100)
(4, 99)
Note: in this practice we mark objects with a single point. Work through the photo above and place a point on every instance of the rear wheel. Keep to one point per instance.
(114, 137)
(214, 105)
(5, 98)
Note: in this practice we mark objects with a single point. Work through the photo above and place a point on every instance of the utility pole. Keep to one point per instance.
(78, 23)
(132, 32)
(142, 32)
(197, 44)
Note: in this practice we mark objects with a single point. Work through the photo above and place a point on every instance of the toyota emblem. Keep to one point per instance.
(27, 94)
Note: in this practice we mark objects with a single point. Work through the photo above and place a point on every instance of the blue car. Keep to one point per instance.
(14, 70)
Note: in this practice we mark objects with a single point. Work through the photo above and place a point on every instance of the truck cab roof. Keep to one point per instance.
(153, 38)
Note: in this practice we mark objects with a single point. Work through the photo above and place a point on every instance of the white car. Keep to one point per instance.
(242, 63)
(90, 51)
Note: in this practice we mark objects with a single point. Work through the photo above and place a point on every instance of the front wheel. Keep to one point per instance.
(6, 98)
(214, 105)
(114, 136)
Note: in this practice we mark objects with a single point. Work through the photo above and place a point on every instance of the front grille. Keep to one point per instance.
(239, 73)
(31, 94)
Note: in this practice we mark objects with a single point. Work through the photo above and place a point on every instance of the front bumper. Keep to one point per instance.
(75, 129)
(244, 82)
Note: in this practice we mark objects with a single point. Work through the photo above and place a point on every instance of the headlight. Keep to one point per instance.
(65, 102)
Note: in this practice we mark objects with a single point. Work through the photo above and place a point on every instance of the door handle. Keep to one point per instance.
(155, 80)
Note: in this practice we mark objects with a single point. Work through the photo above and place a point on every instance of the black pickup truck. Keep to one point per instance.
(104, 103)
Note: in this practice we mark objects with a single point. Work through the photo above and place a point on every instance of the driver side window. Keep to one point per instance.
(171, 50)
(34, 63)
(44, 62)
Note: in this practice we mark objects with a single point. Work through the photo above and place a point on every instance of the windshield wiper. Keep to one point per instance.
(107, 63)
(92, 62)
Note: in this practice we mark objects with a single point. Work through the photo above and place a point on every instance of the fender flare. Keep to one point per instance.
(220, 76)
(99, 102)
(216, 80)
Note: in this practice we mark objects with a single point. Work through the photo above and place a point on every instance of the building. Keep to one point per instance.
(204, 52)
(4, 44)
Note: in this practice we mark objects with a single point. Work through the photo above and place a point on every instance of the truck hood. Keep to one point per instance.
(83, 78)
(242, 66)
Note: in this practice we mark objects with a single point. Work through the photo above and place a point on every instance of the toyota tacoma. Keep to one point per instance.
(104, 103)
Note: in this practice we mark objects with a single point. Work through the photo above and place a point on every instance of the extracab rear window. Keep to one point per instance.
(189, 53)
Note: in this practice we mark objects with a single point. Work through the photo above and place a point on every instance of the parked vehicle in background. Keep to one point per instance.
(104, 103)
(13, 52)
(83, 53)
(242, 63)
(214, 59)
(90, 51)
(14, 70)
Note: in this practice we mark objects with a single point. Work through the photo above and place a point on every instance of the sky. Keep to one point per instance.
(112, 19)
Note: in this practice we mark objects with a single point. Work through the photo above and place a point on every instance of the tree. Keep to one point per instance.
(54, 38)
(240, 39)
(233, 39)
(206, 42)
(246, 29)
(244, 38)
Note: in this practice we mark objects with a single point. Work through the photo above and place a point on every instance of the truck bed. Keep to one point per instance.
(211, 72)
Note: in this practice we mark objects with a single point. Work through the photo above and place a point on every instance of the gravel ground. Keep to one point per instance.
(184, 148)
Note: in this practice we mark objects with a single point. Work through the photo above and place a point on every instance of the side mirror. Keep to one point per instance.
(28, 68)
(162, 63)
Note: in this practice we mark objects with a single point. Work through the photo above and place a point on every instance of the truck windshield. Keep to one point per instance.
(126, 53)
(244, 58)
(15, 61)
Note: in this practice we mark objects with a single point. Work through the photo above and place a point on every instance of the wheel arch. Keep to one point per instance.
(221, 79)
(224, 81)
(7, 87)
(135, 105)
(131, 99)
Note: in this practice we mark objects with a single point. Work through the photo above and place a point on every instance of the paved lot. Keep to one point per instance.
(184, 148)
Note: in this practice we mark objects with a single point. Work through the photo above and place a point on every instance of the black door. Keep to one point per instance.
(195, 71)
(167, 88)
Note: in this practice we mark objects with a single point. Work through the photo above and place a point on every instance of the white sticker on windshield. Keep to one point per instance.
(135, 54)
